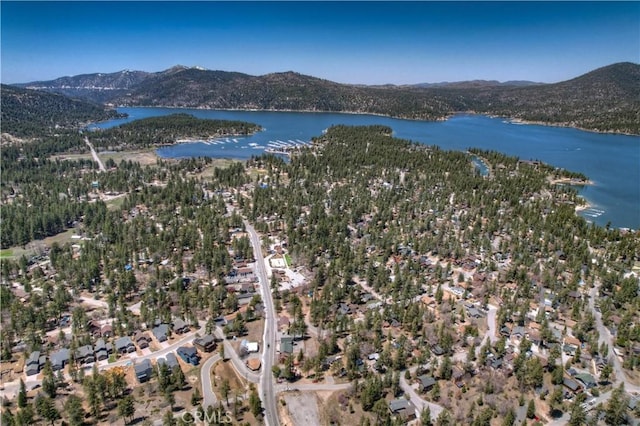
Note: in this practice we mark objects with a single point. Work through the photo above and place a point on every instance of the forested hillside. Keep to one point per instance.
(607, 99)
(33, 113)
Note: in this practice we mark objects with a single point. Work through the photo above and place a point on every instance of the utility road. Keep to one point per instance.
(95, 155)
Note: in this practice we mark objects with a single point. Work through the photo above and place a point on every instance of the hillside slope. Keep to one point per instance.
(31, 112)
(606, 99)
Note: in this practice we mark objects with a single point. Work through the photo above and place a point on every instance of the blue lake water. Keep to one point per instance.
(612, 162)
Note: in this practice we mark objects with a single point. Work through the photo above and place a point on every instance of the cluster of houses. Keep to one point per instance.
(103, 349)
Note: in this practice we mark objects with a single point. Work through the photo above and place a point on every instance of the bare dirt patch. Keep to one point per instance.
(302, 408)
(144, 157)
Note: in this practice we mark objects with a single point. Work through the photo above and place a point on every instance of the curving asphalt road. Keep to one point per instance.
(416, 400)
(208, 396)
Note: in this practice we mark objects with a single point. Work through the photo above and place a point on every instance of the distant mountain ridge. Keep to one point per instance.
(478, 83)
(606, 99)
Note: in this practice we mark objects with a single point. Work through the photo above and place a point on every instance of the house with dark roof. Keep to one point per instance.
(587, 380)
(141, 339)
(59, 359)
(161, 332)
(205, 343)
(124, 345)
(426, 383)
(101, 355)
(188, 354)
(180, 327)
(143, 370)
(32, 364)
(172, 361)
(572, 385)
(437, 350)
(84, 355)
(286, 344)
(403, 409)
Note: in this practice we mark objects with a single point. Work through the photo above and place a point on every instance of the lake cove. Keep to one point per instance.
(612, 162)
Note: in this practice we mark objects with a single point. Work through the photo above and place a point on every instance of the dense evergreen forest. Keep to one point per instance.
(36, 206)
(361, 203)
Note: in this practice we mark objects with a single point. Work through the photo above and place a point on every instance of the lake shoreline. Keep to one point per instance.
(608, 161)
(448, 116)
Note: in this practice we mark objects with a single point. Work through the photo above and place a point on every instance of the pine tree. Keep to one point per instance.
(22, 395)
(73, 409)
(255, 404)
(425, 416)
(47, 409)
(531, 409)
(126, 408)
(196, 397)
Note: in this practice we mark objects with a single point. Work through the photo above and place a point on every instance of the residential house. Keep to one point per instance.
(124, 345)
(517, 333)
(572, 341)
(426, 383)
(286, 344)
(161, 332)
(344, 309)
(505, 331)
(84, 355)
(94, 328)
(572, 385)
(437, 350)
(100, 350)
(32, 365)
(106, 330)
(569, 350)
(206, 343)
(59, 359)
(142, 339)
(403, 409)
(180, 327)
(188, 354)
(587, 380)
(474, 312)
(143, 370)
(172, 361)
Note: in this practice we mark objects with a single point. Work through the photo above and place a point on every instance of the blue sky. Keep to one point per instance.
(359, 42)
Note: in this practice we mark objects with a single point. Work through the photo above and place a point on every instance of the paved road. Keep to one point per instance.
(266, 389)
(208, 397)
(416, 400)
(95, 155)
(604, 336)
